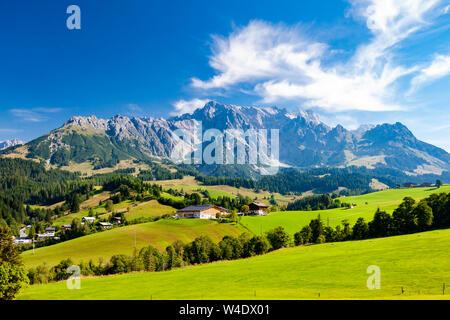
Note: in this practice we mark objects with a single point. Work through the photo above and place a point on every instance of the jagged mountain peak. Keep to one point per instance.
(5, 144)
(305, 141)
(389, 132)
(363, 129)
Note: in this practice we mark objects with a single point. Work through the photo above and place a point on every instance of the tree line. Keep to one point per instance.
(316, 202)
(295, 181)
(410, 216)
(201, 250)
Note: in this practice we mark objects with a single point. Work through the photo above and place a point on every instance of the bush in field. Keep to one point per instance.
(258, 245)
(360, 229)
(174, 254)
(40, 274)
(231, 248)
(151, 259)
(381, 225)
(316, 226)
(119, 264)
(59, 272)
(303, 237)
(424, 216)
(278, 238)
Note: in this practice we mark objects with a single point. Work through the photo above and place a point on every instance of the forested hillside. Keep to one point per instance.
(30, 182)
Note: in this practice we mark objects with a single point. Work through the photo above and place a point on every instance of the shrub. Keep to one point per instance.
(278, 238)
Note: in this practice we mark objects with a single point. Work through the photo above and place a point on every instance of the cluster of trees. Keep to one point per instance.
(295, 181)
(13, 275)
(201, 250)
(323, 180)
(13, 213)
(409, 217)
(194, 198)
(31, 183)
(159, 173)
(317, 202)
(229, 181)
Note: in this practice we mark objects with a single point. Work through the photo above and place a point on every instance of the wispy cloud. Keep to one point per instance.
(133, 109)
(345, 120)
(281, 63)
(188, 106)
(34, 115)
(438, 68)
(7, 130)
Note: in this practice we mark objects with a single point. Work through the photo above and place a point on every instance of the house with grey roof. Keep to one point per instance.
(201, 212)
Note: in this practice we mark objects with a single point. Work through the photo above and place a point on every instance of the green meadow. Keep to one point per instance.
(121, 240)
(151, 208)
(366, 205)
(132, 210)
(418, 263)
(188, 184)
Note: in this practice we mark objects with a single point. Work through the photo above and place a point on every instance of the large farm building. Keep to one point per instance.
(201, 212)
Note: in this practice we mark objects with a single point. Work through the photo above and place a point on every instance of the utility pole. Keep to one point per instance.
(135, 239)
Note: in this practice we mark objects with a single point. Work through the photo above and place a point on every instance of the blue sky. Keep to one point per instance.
(353, 62)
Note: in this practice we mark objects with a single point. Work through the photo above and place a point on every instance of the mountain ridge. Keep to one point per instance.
(5, 144)
(305, 141)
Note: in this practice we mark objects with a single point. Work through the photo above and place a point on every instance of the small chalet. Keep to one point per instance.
(105, 225)
(49, 232)
(409, 185)
(66, 227)
(427, 185)
(44, 236)
(201, 212)
(88, 220)
(23, 240)
(116, 220)
(257, 208)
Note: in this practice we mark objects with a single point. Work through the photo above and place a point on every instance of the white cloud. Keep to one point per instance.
(390, 22)
(5, 130)
(134, 107)
(35, 114)
(258, 51)
(282, 63)
(133, 110)
(188, 106)
(438, 68)
(345, 120)
(47, 110)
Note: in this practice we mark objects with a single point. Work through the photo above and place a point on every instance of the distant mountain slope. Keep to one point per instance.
(305, 141)
(5, 144)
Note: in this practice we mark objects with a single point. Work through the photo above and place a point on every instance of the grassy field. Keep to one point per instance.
(87, 169)
(132, 210)
(417, 263)
(147, 209)
(189, 184)
(366, 205)
(159, 234)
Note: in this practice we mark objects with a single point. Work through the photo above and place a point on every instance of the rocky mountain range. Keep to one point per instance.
(305, 141)
(5, 144)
